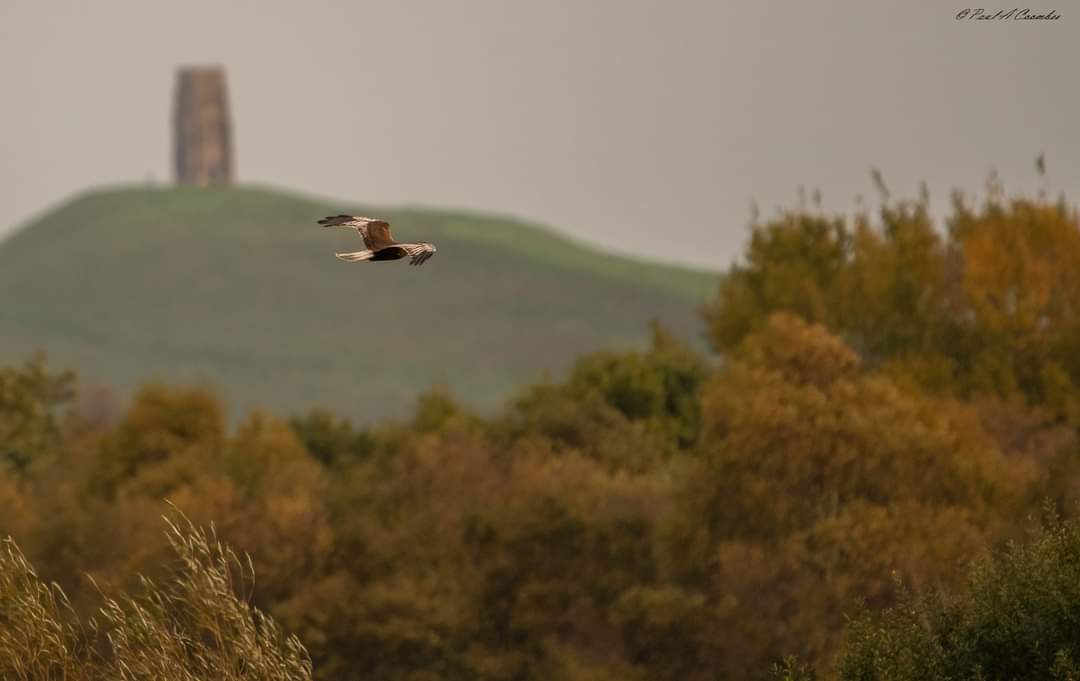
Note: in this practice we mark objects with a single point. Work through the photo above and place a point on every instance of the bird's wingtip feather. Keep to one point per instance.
(332, 220)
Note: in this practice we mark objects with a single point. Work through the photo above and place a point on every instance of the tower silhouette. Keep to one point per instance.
(202, 132)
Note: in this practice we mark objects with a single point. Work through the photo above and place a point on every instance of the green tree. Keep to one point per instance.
(630, 410)
(332, 440)
(30, 397)
(660, 387)
(1016, 619)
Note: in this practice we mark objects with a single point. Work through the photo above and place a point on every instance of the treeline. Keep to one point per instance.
(889, 399)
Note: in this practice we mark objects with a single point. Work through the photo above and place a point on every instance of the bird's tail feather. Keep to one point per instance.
(358, 256)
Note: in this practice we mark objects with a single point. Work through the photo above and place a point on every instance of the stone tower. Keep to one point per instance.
(202, 133)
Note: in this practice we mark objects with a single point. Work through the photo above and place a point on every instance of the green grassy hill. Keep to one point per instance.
(239, 287)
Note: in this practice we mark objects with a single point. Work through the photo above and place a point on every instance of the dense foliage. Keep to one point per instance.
(891, 402)
(1017, 619)
(988, 305)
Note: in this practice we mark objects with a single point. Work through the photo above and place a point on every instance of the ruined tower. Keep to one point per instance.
(202, 133)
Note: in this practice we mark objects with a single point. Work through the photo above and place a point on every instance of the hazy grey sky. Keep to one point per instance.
(619, 121)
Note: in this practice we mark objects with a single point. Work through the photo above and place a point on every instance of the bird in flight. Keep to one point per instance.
(380, 245)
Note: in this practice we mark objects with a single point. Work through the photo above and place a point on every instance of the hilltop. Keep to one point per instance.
(239, 287)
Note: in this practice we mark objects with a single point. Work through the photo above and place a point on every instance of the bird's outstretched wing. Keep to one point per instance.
(376, 233)
(358, 256)
(418, 253)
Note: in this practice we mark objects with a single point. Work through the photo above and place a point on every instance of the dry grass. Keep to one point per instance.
(195, 627)
(40, 636)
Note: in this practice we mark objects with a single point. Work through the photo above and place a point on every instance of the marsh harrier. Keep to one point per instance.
(380, 244)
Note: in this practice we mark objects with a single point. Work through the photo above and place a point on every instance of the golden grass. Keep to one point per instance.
(196, 626)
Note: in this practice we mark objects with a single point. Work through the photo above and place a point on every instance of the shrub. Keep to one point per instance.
(1018, 619)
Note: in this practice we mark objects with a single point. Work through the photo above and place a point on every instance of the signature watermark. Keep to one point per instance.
(1014, 14)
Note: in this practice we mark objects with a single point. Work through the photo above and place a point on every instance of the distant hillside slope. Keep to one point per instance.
(240, 288)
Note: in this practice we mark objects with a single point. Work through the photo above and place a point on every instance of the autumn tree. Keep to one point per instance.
(983, 304)
(817, 480)
(793, 263)
(890, 396)
(164, 428)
